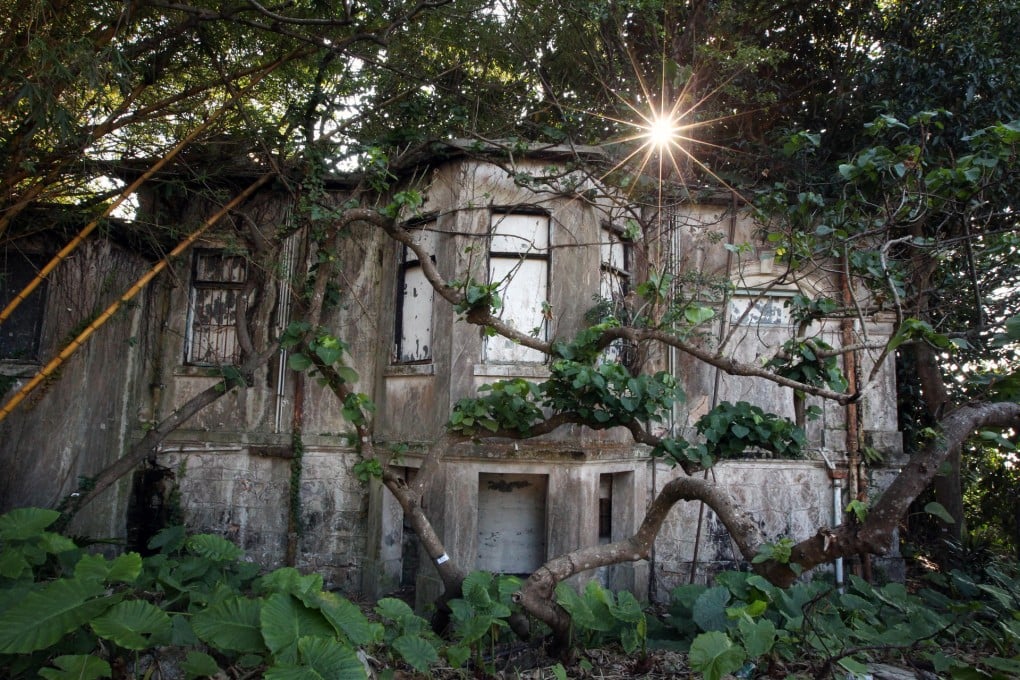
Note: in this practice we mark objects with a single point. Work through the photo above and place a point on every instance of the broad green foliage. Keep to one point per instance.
(74, 613)
(812, 362)
(598, 393)
(600, 616)
(812, 628)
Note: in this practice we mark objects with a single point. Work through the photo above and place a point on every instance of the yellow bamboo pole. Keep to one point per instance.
(77, 342)
(130, 189)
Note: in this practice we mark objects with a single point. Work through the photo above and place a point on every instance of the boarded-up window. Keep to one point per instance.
(415, 296)
(19, 334)
(511, 523)
(519, 261)
(217, 282)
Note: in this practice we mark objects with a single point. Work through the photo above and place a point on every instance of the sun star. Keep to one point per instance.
(661, 131)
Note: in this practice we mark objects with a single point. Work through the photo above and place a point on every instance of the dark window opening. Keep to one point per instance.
(21, 331)
(605, 508)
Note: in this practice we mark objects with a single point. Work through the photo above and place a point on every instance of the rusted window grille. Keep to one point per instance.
(217, 281)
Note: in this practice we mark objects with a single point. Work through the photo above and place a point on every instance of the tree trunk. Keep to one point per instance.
(947, 484)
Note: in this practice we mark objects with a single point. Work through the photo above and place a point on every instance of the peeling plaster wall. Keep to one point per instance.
(788, 498)
(245, 497)
(58, 435)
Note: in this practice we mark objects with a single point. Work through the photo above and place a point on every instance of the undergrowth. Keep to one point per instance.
(198, 606)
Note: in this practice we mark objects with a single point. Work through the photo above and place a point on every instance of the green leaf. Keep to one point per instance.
(77, 667)
(135, 624)
(457, 655)
(856, 668)
(44, 616)
(347, 374)
(290, 580)
(758, 636)
(696, 315)
(199, 664)
(715, 655)
(709, 610)
(939, 511)
(214, 547)
(345, 616)
(24, 523)
(328, 355)
(416, 652)
(298, 362)
(232, 624)
(285, 620)
(1011, 666)
(321, 659)
(125, 568)
(393, 609)
(627, 608)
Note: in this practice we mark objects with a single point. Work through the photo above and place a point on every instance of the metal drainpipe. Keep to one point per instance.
(837, 476)
(855, 482)
(289, 248)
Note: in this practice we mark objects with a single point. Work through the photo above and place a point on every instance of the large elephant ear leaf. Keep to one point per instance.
(23, 523)
(77, 667)
(320, 659)
(43, 616)
(232, 624)
(285, 621)
(135, 624)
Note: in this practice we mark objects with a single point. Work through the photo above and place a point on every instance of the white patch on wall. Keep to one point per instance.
(766, 309)
(519, 260)
(511, 522)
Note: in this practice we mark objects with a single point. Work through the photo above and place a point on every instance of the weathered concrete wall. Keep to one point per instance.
(241, 495)
(77, 422)
(788, 498)
(571, 507)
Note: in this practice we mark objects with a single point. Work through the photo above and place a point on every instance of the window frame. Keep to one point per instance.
(609, 271)
(197, 284)
(424, 224)
(496, 215)
(34, 304)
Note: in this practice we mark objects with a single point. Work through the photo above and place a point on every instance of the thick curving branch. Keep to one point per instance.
(537, 595)
(876, 533)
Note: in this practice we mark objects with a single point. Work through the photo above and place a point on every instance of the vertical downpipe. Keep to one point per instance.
(289, 248)
(856, 482)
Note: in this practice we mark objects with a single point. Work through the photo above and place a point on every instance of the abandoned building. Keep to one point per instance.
(557, 246)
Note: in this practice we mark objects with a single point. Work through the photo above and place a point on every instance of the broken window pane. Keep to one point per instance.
(217, 282)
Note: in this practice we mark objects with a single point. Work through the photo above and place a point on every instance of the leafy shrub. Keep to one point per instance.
(965, 629)
(599, 616)
(68, 614)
